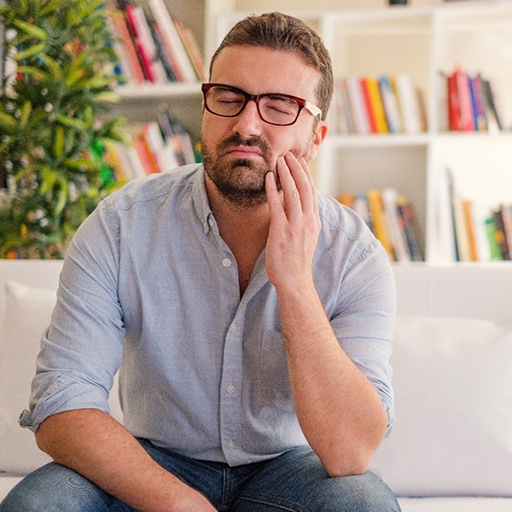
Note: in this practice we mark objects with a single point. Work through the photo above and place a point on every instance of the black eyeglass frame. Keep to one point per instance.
(301, 102)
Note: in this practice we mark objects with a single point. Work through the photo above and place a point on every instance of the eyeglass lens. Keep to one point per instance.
(273, 108)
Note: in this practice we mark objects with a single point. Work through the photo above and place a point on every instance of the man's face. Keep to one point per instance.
(239, 151)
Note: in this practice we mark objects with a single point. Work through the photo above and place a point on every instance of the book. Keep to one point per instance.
(390, 104)
(347, 199)
(454, 118)
(376, 105)
(481, 213)
(493, 117)
(410, 105)
(461, 231)
(164, 58)
(357, 106)
(367, 100)
(467, 208)
(380, 226)
(466, 108)
(492, 237)
(192, 48)
(396, 224)
(343, 120)
(478, 104)
(171, 40)
(500, 234)
(506, 215)
(410, 227)
(361, 207)
(135, 69)
(145, 45)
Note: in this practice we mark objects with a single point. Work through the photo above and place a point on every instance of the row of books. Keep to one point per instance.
(383, 104)
(391, 218)
(152, 46)
(482, 233)
(471, 102)
(158, 146)
(468, 229)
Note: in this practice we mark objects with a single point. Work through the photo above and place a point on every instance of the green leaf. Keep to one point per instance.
(7, 121)
(73, 77)
(62, 195)
(48, 180)
(71, 122)
(32, 71)
(26, 110)
(32, 30)
(30, 52)
(58, 142)
(79, 164)
(53, 67)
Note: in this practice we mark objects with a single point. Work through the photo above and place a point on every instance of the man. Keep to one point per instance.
(251, 317)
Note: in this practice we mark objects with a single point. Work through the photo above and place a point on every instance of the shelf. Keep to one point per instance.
(149, 91)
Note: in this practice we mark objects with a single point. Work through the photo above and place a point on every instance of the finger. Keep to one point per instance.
(309, 174)
(273, 197)
(291, 197)
(303, 180)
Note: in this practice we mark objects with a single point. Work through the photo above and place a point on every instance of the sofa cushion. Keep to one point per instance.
(27, 314)
(453, 391)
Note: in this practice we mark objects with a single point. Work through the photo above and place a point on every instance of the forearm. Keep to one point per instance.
(339, 409)
(93, 444)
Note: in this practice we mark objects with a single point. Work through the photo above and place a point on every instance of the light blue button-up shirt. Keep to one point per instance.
(148, 285)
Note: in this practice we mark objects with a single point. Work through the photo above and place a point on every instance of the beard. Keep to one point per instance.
(241, 181)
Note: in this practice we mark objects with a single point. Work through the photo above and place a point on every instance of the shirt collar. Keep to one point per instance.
(201, 203)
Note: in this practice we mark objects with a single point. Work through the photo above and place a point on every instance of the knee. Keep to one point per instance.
(58, 488)
(373, 495)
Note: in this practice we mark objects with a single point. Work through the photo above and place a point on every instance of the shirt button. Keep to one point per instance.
(210, 222)
(226, 262)
(230, 389)
(232, 327)
(231, 444)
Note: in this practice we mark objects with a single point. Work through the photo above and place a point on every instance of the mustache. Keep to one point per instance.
(237, 140)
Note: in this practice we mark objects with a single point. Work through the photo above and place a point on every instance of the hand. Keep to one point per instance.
(195, 502)
(294, 224)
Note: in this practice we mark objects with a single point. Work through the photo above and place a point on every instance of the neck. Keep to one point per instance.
(244, 229)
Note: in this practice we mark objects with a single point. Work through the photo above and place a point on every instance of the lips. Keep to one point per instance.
(243, 151)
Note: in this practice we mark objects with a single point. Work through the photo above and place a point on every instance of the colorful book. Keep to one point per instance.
(390, 103)
(357, 106)
(172, 42)
(380, 226)
(121, 29)
(377, 105)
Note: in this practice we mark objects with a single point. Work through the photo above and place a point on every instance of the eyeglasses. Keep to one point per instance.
(273, 108)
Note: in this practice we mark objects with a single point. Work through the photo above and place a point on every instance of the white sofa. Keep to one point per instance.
(451, 447)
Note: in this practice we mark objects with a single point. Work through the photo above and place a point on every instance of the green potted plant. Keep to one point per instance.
(53, 122)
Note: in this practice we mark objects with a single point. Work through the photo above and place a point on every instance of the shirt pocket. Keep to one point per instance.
(273, 378)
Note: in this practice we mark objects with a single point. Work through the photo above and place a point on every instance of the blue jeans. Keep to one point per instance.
(295, 481)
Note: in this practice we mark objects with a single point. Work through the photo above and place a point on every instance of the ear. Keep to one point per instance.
(318, 137)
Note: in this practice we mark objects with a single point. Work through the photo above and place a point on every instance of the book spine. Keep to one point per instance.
(380, 227)
(377, 105)
(390, 103)
(370, 113)
(121, 29)
(409, 103)
(357, 104)
(171, 39)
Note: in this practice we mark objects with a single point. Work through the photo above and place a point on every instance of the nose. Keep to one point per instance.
(248, 122)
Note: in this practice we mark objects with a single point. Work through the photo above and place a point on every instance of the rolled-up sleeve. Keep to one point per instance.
(82, 348)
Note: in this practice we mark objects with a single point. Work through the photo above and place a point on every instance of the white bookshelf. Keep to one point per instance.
(421, 41)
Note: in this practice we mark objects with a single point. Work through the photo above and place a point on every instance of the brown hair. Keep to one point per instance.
(285, 33)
